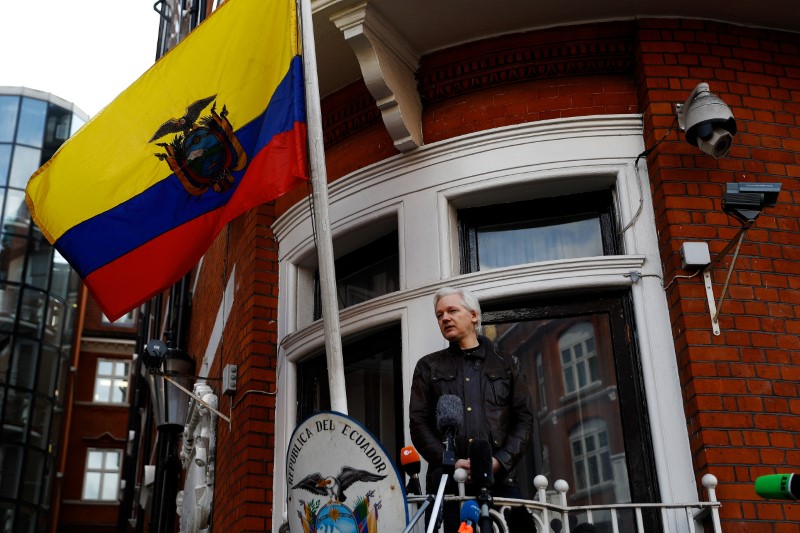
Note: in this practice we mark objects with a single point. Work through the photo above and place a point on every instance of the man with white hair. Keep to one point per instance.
(491, 385)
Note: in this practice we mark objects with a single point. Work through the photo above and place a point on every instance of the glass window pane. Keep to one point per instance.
(60, 280)
(16, 216)
(121, 368)
(9, 106)
(31, 122)
(8, 307)
(32, 311)
(110, 486)
(502, 246)
(102, 390)
(23, 367)
(104, 368)
(112, 461)
(55, 322)
(94, 460)
(40, 259)
(12, 257)
(77, 123)
(576, 430)
(5, 161)
(119, 393)
(24, 163)
(91, 486)
(32, 482)
(11, 463)
(48, 370)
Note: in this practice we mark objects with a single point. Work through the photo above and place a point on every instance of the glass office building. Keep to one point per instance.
(38, 296)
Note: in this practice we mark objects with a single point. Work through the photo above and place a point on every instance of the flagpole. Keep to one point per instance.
(319, 184)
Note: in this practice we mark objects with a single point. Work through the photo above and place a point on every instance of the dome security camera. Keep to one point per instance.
(707, 121)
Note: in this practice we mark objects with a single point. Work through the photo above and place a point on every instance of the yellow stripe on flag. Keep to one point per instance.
(111, 159)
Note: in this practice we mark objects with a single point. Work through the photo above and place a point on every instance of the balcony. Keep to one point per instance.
(551, 514)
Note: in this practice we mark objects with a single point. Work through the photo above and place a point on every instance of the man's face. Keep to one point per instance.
(456, 323)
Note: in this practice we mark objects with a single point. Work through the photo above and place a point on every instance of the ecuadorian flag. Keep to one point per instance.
(214, 128)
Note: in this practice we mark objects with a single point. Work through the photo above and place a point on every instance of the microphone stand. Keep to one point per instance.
(484, 499)
(448, 468)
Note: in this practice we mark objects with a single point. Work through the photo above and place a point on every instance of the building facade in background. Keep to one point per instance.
(38, 299)
(534, 158)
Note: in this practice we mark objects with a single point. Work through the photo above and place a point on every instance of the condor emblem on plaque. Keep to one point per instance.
(205, 150)
(341, 480)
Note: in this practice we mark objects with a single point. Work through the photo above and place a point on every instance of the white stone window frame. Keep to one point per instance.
(105, 473)
(424, 189)
(113, 377)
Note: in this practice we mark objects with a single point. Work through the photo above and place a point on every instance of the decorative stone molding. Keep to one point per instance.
(451, 73)
(388, 65)
(198, 457)
(108, 346)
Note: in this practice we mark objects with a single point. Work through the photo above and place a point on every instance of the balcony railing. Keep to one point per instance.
(550, 517)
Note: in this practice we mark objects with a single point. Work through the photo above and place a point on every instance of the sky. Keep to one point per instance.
(84, 51)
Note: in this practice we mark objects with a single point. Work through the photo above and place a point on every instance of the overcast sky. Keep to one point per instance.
(84, 51)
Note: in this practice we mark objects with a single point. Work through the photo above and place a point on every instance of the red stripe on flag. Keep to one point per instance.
(134, 278)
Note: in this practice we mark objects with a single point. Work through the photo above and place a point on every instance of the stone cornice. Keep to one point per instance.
(107, 345)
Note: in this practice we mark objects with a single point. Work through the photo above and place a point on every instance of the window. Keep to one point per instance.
(111, 381)
(365, 273)
(591, 456)
(583, 437)
(101, 482)
(578, 358)
(373, 380)
(579, 225)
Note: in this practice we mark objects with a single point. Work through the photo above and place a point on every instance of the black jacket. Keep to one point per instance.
(507, 417)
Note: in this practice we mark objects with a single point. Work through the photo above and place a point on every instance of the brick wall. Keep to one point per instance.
(740, 388)
(245, 451)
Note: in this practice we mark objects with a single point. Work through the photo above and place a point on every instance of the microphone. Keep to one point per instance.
(480, 463)
(779, 486)
(449, 416)
(470, 512)
(409, 458)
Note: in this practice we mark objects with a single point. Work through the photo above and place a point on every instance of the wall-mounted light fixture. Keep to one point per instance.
(707, 121)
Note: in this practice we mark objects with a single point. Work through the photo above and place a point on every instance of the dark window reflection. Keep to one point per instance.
(373, 380)
(572, 353)
(368, 272)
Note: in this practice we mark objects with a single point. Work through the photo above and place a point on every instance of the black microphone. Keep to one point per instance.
(449, 416)
(480, 463)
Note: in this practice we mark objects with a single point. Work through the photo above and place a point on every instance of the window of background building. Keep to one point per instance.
(101, 481)
(578, 225)
(578, 358)
(591, 455)
(373, 380)
(111, 381)
(126, 320)
(619, 456)
(365, 273)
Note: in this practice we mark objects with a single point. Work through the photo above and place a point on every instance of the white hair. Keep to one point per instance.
(468, 299)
